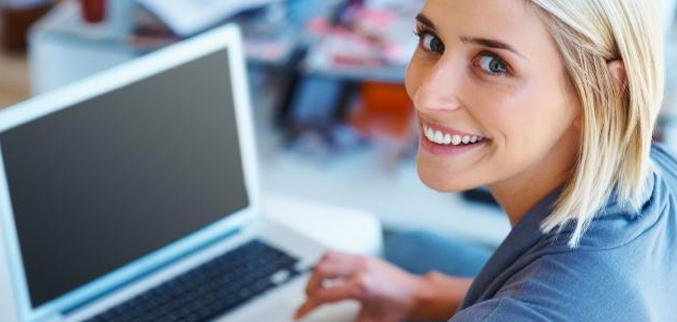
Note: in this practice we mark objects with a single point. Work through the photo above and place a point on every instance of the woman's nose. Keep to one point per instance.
(439, 88)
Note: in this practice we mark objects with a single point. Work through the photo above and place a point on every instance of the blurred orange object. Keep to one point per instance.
(384, 110)
(93, 11)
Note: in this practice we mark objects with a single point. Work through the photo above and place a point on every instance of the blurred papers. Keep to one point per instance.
(188, 17)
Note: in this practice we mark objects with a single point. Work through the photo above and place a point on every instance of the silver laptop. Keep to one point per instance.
(133, 196)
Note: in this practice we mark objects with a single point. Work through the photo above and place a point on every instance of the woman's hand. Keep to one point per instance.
(387, 293)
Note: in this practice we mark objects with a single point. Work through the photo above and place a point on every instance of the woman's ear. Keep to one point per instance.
(578, 121)
(617, 69)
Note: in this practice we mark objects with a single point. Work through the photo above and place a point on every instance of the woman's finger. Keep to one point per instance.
(331, 266)
(321, 296)
(308, 306)
(339, 291)
(333, 279)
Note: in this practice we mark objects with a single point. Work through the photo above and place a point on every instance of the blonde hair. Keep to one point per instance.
(617, 125)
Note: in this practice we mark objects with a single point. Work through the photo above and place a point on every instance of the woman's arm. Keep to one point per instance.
(439, 296)
(385, 292)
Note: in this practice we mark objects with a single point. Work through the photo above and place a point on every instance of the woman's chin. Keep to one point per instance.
(441, 182)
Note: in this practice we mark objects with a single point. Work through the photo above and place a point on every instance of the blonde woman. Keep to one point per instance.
(551, 104)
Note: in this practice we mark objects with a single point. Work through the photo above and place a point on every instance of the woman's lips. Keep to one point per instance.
(439, 141)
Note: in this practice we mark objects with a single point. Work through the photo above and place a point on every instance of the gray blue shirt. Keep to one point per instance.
(625, 268)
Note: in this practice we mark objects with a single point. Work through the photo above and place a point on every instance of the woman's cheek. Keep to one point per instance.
(412, 77)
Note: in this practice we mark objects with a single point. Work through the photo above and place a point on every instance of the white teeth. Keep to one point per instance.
(447, 139)
(441, 138)
(429, 133)
(456, 139)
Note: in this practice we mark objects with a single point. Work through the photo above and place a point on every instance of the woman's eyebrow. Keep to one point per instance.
(491, 43)
(424, 20)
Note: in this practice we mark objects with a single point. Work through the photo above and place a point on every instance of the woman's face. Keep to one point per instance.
(491, 95)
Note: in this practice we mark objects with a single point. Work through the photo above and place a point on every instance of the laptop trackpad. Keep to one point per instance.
(282, 311)
(280, 305)
(339, 312)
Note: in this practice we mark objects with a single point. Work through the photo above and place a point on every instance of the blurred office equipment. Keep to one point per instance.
(93, 11)
(64, 48)
(139, 202)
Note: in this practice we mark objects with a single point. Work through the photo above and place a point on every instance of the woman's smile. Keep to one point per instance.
(439, 139)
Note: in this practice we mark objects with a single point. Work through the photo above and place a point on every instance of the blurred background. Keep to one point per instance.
(333, 120)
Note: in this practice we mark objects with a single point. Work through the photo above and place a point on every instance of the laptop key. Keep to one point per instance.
(211, 289)
(280, 277)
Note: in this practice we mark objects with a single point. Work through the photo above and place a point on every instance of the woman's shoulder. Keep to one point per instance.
(624, 255)
(617, 225)
(575, 286)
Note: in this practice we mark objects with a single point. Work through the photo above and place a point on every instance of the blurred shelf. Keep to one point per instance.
(388, 74)
(14, 80)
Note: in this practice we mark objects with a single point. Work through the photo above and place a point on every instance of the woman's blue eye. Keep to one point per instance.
(492, 65)
(430, 42)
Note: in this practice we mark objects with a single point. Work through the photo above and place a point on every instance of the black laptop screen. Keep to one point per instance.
(107, 181)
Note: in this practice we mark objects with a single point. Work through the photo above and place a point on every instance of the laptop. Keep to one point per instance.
(133, 196)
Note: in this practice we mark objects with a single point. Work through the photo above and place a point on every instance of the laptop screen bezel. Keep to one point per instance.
(226, 38)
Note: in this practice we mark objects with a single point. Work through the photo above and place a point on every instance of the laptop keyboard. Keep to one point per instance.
(211, 289)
